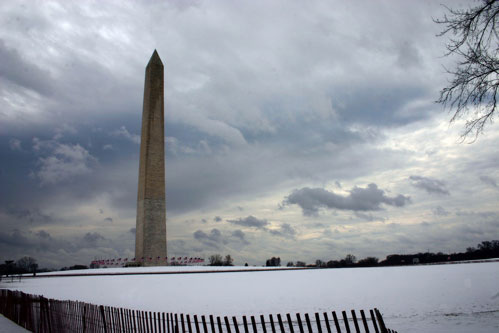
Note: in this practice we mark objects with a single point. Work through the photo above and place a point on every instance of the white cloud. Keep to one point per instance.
(123, 132)
(15, 144)
(64, 161)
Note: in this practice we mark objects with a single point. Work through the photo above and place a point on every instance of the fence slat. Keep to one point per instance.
(272, 323)
(245, 323)
(236, 326)
(326, 319)
(219, 325)
(264, 327)
(356, 324)
(364, 321)
(290, 323)
(131, 319)
(281, 325)
(212, 324)
(189, 326)
(300, 324)
(196, 323)
(182, 322)
(336, 322)
(227, 324)
(103, 318)
(309, 326)
(381, 323)
(203, 320)
(345, 321)
(253, 323)
(318, 321)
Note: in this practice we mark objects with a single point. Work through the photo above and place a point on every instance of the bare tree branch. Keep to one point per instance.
(472, 92)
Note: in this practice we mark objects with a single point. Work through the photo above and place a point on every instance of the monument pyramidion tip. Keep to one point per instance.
(155, 59)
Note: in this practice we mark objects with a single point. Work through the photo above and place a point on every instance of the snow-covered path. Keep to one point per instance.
(440, 298)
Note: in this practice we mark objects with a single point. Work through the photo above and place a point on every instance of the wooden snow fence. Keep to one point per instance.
(39, 314)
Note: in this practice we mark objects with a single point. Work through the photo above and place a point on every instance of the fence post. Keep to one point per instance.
(382, 326)
(264, 327)
(290, 323)
(212, 324)
(272, 323)
(373, 318)
(300, 324)
(326, 319)
(203, 320)
(196, 323)
(245, 323)
(219, 323)
(103, 317)
(47, 309)
(188, 320)
(281, 325)
(309, 326)
(318, 321)
(355, 323)
(345, 320)
(253, 323)
(236, 326)
(364, 320)
(227, 324)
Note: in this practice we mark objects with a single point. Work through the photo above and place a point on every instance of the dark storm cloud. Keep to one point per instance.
(360, 199)
(430, 185)
(285, 230)
(369, 217)
(214, 239)
(15, 144)
(250, 221)
(440, 211)
(43, 234)
(19, 241)
(15, 69)
(489, 181)
(240, 235)
(487, 215)
(33, 215)
(92, 238)
(380, 105)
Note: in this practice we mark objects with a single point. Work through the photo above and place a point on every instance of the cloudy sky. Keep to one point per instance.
(304, 130)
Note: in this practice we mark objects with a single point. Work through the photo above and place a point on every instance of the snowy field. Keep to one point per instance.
(437, 298)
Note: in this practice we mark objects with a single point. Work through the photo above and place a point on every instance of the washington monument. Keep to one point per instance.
(150, 236)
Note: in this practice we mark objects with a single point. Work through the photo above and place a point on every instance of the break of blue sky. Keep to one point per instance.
(300, 130)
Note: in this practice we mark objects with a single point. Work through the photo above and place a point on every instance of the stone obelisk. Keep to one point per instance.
(150, 236)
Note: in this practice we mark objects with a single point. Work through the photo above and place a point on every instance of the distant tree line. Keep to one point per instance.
(484, 250)
(22, 266)
(217, 260)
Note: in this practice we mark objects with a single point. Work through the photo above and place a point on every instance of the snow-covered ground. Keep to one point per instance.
(8, 326)
(438, 298)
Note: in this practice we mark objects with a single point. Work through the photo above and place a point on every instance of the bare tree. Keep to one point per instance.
(228, 260)
(472, 91)
(27, 264)
(216, 260)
